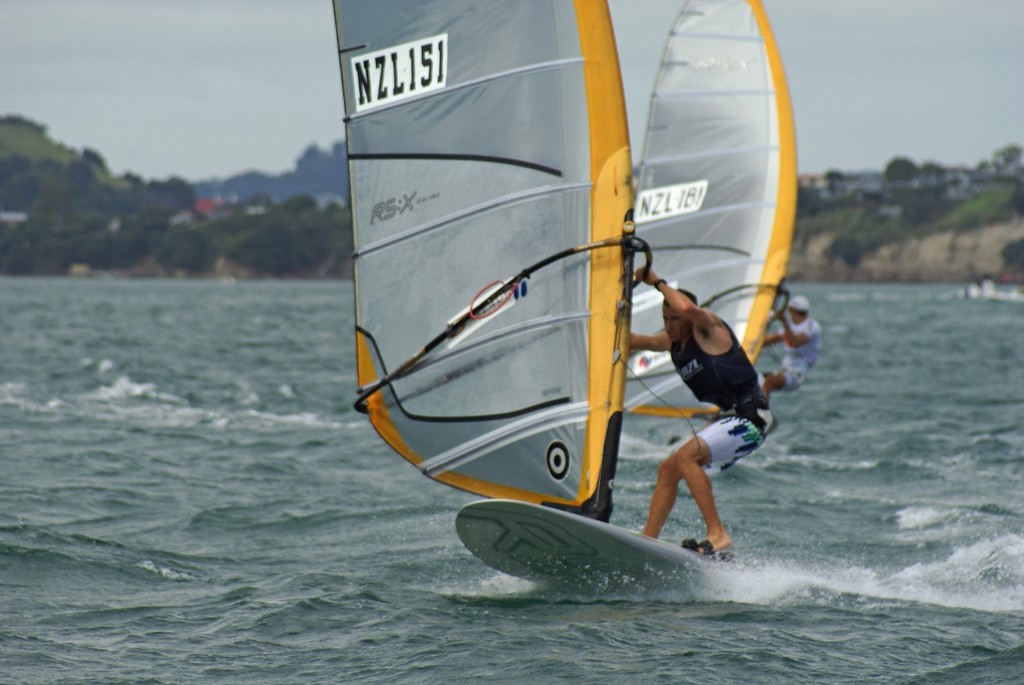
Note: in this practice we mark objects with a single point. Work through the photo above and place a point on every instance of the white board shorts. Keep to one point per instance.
(730, 439)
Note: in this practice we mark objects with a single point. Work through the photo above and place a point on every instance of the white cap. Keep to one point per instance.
(800, 304)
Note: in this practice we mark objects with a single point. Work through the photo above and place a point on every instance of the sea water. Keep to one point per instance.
(188, 496)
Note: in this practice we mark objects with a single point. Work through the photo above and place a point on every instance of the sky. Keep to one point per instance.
(208, 89)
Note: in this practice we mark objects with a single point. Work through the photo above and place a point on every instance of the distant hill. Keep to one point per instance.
(50, 181)
(318, 173)
(27, 150)
(63, 212)
(20, 137)
(24, 143)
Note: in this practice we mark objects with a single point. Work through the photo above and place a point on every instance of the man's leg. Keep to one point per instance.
(686, 464)
(773, 381)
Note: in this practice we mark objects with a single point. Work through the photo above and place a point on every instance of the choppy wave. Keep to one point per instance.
(145, 404)
(189, 496)
(986, 576)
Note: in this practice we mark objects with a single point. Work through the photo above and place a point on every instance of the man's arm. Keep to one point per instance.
(654, 343)
(708, 327)
(697, 315)
(792, 338)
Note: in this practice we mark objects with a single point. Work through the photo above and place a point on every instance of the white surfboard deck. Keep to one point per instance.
(544, 544)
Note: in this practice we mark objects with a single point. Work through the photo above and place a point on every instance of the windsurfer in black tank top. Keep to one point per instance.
(712, 363)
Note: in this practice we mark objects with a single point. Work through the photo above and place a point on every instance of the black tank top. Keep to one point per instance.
(727, 380)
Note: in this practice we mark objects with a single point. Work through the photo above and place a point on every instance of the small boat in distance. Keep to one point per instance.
(986, 289)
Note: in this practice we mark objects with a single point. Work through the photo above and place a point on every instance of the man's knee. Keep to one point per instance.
(674, 465)
(668, 469)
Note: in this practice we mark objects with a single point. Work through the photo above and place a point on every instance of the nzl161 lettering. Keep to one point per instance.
(397, 73)
(667, 201)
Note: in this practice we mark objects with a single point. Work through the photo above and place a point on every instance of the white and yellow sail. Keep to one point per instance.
(716, 188)
(483, 138)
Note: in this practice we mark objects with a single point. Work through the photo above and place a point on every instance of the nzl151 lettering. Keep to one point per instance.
(666, 201)
(400, 72)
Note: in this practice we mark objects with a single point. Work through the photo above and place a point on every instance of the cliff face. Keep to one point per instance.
(951, 257)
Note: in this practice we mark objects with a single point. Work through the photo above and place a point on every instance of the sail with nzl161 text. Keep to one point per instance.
(716, 188)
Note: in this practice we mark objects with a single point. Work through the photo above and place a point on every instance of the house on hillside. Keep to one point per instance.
(185, 216)
(959, 183)
(211, 208)
(815, 182)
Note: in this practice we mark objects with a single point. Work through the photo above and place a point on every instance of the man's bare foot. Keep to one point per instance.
(720, 543)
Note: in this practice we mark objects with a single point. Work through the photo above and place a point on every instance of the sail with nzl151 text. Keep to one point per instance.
(491, 178)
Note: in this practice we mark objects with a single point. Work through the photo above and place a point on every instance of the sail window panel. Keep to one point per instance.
(403, 308)
(510, 374)
(523, 464)
(428, 437)
(484, 37)
(514, 120)
(712, 122)
(511, 452)
(694, 64)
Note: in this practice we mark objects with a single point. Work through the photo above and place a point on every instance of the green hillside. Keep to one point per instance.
(66, 213)
(859, 228)
(25, 144)
(21, 137)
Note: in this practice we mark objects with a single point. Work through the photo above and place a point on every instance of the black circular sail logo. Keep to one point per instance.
(558, 460)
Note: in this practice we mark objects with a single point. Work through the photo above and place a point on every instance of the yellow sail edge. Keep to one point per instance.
(376, 408)
(611, 198)
(785, 213)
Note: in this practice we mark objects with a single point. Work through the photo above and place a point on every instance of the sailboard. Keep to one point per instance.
(562, 549)
(490, 181)
(716, 186)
